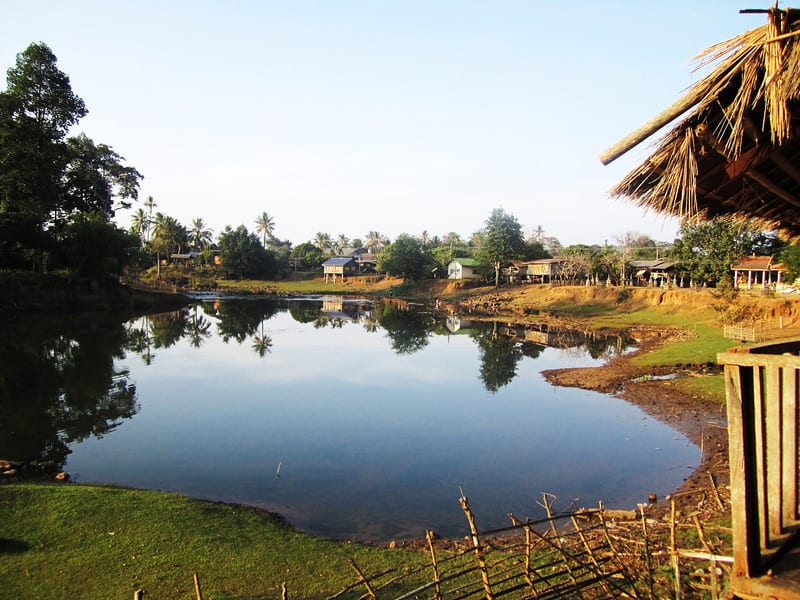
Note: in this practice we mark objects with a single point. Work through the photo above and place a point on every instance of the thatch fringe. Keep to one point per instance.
(755, 82)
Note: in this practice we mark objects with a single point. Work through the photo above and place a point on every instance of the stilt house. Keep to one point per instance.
(734, 151)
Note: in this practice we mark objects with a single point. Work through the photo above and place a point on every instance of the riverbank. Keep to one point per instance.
(32, 293)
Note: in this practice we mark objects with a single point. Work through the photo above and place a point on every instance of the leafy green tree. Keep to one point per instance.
(45, 177)
(93, 247)
(309, 253)
(533, 250)
(265, 225)
(94, 176)
(38, 109)
(706, 250)
(790, 257)
(244, 256)
(405, 257)
(502, 241)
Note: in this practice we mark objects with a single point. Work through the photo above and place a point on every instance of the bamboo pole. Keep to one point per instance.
(676, 569)
(714, 579)
(364, 580)
(666, 116)
(435, 565)
(476, 543)
(546, 504)
(647, 563)
(197, 591)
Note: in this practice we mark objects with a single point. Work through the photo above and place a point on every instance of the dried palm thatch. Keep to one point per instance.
(736, 152)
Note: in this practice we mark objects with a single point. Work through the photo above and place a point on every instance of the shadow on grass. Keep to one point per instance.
(13, 546)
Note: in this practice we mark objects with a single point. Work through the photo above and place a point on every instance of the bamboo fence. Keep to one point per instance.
(592, 554)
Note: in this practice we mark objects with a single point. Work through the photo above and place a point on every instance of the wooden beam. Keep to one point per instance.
(666, 116)
(775, 189)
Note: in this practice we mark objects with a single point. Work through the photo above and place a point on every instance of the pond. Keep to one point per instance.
(351, 419)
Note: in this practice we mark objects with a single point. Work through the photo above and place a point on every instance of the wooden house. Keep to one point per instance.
(464, 268)
(733, 152)
(544, 270)
(757, 271)
(653, 273)
(339, 266)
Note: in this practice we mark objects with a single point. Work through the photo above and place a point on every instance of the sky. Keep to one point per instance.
(352, 116)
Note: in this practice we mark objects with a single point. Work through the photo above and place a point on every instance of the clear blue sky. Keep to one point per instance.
(403, 116)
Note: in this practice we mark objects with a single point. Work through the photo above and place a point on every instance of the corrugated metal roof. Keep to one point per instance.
(337, 261)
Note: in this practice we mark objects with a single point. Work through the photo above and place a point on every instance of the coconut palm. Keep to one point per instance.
(265, 225)
(200, 235)
(342, 242)
(323, 241)
(375, 241)
(140, 224)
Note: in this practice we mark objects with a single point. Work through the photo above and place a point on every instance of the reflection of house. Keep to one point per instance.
(463, 268)
(652, 272)
(733, 152)
(338, 266)
(757, 270)
(455, 323)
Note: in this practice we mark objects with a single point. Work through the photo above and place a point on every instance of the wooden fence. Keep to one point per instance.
(592, 554)
(753, 332)
(762, 388)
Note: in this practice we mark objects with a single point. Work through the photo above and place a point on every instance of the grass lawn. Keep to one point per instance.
(76, 541)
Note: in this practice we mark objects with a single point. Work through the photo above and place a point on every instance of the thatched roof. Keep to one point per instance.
(736, 151)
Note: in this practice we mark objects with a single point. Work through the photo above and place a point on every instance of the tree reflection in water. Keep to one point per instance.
(59, 383)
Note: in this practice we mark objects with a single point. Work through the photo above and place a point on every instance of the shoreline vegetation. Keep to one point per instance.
(103, 541)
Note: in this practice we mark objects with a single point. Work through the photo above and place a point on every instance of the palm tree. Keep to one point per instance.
(140, 224)
(200, 235)
(323, 241)
(150, 204)
(341, 243)
(375, 242)
(265, 225)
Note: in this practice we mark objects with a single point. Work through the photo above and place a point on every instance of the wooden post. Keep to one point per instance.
(138, 595)
(438, 587)
(197, 591)
(476, 543)
(676, 569)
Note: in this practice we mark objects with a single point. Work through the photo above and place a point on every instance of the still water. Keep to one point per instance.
(350, 419)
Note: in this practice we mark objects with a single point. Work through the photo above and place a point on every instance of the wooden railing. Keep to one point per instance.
(762, 386)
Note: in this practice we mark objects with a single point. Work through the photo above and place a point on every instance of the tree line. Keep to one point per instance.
(59, 195)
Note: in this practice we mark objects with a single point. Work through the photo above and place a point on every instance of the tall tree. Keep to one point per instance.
(706, 250)
(265, 225)
(323, 241)
(140, 224)
(375, 241)
(502, 241)
(405, 257)
(200, 234)
(38, 108)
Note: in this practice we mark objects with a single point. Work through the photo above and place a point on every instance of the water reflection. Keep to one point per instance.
(61, 385)
(377, 412)
(59, 381)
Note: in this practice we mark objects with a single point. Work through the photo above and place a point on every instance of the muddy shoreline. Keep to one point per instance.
(703, 422)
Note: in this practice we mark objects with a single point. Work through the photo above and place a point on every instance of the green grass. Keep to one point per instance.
(75, 541)
(707, 387)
